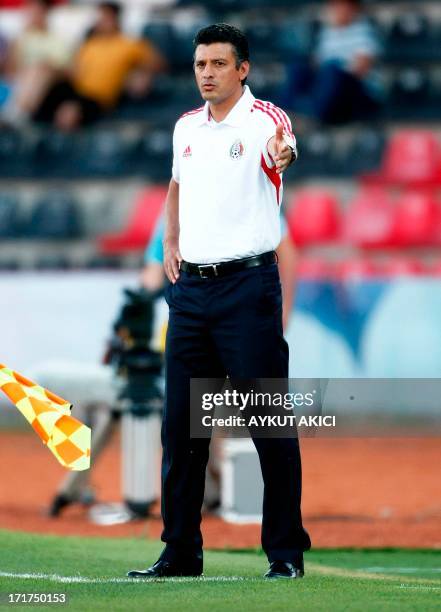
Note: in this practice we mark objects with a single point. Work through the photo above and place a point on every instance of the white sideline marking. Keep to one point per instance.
(316, 569)
(359, 574)
(83, 580)
(419, 588)
(400, 570)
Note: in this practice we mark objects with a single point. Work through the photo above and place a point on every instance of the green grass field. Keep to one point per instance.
(92, 573)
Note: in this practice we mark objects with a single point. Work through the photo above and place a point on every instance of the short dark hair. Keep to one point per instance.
(356, 3)
(111, 6)
(44, 3)
(225, 33)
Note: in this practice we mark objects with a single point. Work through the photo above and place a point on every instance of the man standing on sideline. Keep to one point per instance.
(222, 228)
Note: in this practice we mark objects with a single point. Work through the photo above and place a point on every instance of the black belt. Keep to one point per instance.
(228, 267)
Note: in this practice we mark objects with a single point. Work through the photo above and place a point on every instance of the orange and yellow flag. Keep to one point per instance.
(49, 415)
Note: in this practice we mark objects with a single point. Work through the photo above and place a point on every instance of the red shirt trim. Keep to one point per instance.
(273, 176)
(278, 112)
(192, 112)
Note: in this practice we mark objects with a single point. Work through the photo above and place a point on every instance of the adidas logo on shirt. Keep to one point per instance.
(187, 152)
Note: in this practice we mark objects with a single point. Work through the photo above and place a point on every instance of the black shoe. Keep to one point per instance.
(62, 501)
(58, 504)
(284, 569)
(167, 569)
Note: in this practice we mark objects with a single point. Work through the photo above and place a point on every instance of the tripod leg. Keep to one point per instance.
(74, 486)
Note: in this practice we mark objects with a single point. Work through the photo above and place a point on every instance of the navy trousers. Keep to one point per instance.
(222, 326)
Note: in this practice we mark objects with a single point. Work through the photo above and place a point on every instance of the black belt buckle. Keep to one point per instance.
(211, 267)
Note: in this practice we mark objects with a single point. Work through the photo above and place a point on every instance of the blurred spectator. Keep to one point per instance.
(35, 60)
(4, 85)
(105, 64)
(340, 84)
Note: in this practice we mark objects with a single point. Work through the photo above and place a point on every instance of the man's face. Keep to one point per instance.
(341, 12)
(107, 22)
(36, 14)
(217, 75)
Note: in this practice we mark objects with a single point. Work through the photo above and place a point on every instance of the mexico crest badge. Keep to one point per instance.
(237, 150)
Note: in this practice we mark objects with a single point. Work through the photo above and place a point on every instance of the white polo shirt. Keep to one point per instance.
(229, 191)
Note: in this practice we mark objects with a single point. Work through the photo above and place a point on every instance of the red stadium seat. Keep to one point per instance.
(402, 266)
(370, 219)
(437, 227)
(417, 217)
(8, 4)
(357, 269)
(413, 157)
(361, 268)
(135, 236)
(314, 268)
(435, 268)
(313, 217)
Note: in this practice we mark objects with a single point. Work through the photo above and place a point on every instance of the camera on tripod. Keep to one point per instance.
(136, 364)
(139, 400)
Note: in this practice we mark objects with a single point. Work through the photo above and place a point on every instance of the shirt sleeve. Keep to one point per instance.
(369, 42)
(342, 45)
(175, 167)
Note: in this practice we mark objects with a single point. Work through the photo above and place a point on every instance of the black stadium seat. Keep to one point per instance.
(262, 37)
(151, 157)
(11, 149)
(225, 7)
(52, 262)
(295, 39)
(413, 96)
(56, 155)
(9, 264)
(316, 156)
(409, 38)
(161, 34)
(95, 262)
(182, 53)
(10, 222)
(104, 154)
(218, 7)
(364, 153)
(55, 216)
